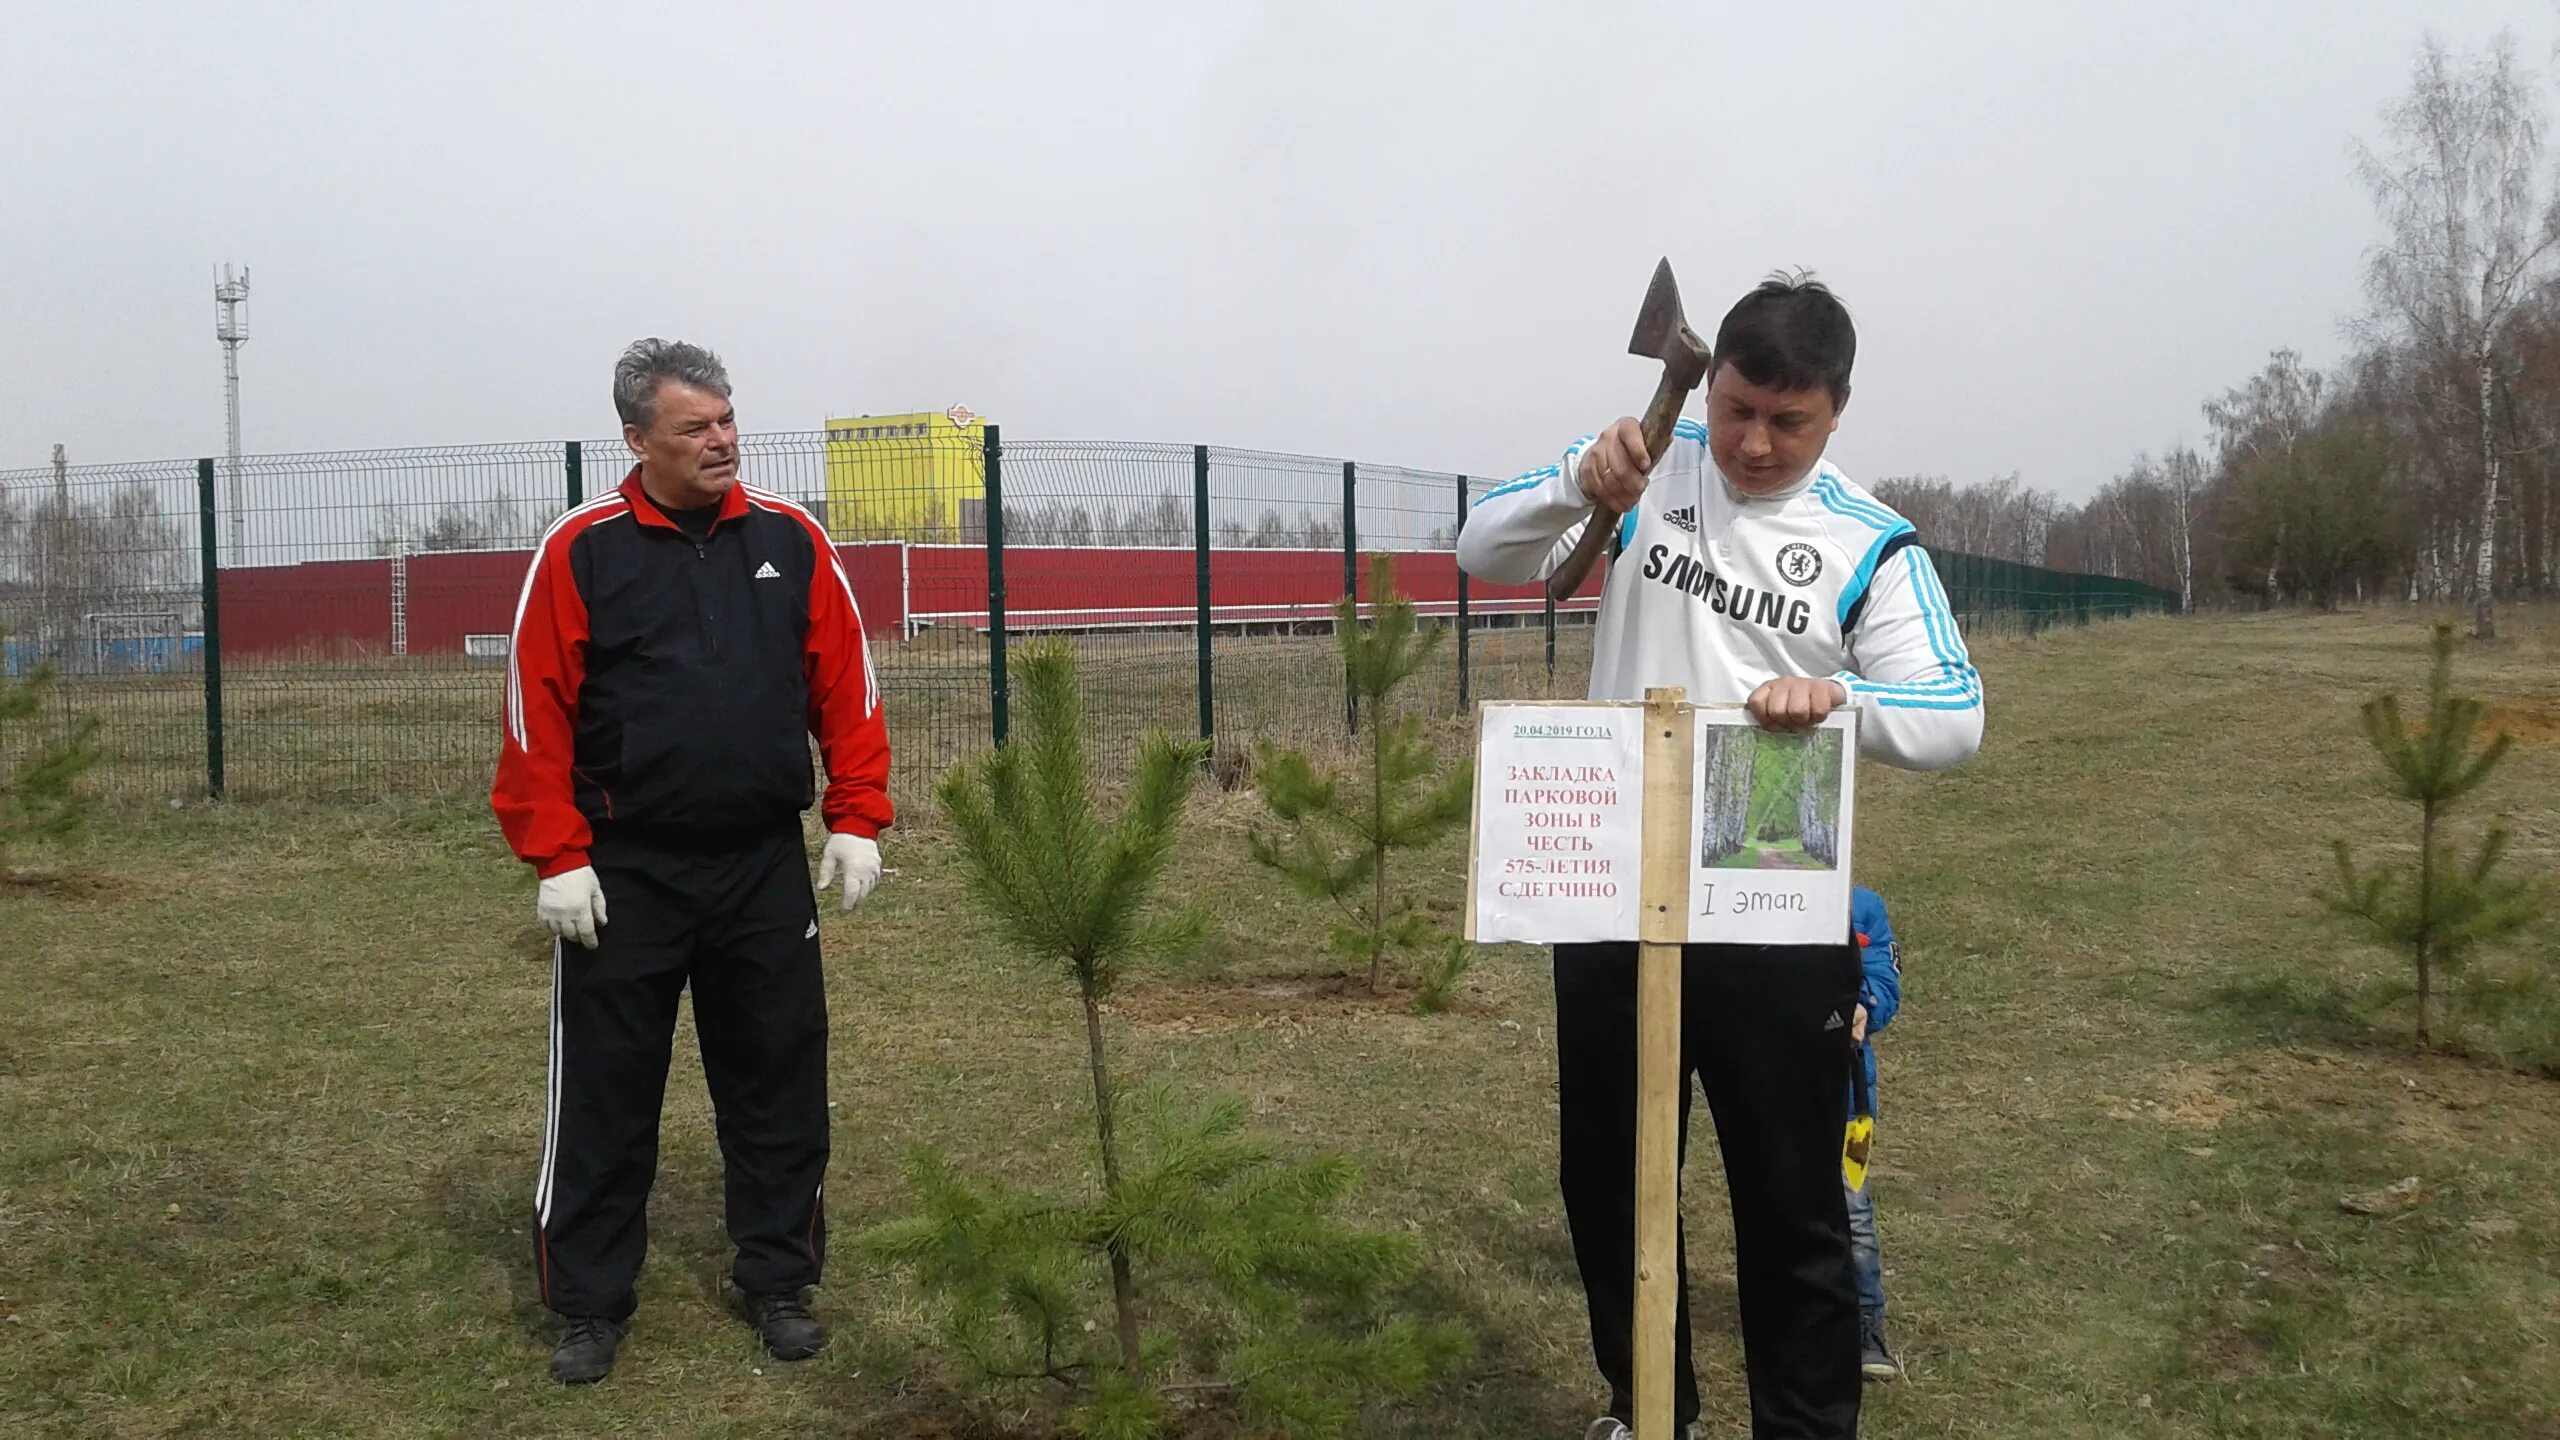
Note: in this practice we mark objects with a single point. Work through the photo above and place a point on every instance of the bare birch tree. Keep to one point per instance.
(2462, 192)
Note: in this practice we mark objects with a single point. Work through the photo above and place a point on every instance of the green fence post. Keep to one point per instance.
(575, 462)
(1200, 586)
(210, 596)
(1350, 584)
(1462, 599)
(1000, 685)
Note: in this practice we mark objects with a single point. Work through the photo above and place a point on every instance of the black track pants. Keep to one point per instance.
(739, 923)
(1766, 1030)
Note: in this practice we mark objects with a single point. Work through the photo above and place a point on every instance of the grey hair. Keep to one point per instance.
(637, 374)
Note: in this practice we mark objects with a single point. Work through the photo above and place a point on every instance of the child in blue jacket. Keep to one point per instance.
(1879, 998)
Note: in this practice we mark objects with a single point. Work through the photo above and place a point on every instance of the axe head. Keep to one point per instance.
(1663, 333)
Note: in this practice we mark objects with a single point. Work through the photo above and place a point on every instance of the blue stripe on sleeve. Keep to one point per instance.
(1865, 574)
(1961, 689)
(1937, 620)
(1940, 615)
(1530, 481)
(1866, 512)
(1839, 488)
(1964, 700)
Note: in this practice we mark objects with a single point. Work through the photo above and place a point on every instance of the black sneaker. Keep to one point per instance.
(784, 1324)
(586, 1350)
(1875, 1358)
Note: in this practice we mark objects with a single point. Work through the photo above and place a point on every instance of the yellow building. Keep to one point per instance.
(915, 477)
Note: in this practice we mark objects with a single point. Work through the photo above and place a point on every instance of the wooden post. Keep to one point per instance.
(1670, 747)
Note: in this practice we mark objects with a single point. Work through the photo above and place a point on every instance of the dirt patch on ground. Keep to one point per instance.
(2445, 1100)
(62, 885)
(2432, 1098)
(1201, 1005)
(2193, 1097)
(2199, 1099)
(2532, 722)
(935, 1429)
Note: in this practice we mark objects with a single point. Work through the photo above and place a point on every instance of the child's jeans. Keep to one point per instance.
(1867, 1256)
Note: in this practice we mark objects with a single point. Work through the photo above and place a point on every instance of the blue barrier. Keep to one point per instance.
(125, 655)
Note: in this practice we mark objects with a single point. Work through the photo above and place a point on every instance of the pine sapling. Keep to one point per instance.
(2443, 907)
(1231, 1281)
(1069, 884)
(1337, 831)
(40, 795)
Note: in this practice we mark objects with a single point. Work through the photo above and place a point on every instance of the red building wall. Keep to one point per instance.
(1066, 586)
(333, 608)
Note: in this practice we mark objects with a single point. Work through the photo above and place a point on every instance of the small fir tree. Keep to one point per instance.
(1338, 830)
(40, 796)
(2443, 907)
(1231, 1281)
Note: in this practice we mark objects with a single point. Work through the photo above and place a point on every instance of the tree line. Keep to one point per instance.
(2422, 465)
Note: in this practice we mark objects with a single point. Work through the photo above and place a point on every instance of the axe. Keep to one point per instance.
(1662, 333)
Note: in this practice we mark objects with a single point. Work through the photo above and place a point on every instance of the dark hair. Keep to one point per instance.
(1790, 333)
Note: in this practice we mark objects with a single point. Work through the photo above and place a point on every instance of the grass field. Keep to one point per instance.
(271, 1094)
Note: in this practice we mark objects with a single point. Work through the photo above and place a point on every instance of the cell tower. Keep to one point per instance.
(231, 327)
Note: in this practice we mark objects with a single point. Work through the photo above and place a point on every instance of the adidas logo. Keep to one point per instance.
(1835, 1022)
(766, 571)
(1685, 518)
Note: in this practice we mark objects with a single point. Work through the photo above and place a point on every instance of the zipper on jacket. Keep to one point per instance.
(704, 615)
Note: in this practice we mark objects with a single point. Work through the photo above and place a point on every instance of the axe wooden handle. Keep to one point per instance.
(1659, 417)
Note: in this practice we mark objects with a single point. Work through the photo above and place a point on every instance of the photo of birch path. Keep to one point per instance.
(1772, 801)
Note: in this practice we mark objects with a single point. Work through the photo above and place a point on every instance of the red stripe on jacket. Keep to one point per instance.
(546, 663)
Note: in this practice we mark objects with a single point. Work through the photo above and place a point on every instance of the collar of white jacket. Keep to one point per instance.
(1740, 496)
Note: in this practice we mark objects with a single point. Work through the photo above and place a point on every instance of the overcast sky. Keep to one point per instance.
(1410, 233)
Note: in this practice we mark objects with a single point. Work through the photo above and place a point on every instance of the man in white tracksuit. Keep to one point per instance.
(1749, 570)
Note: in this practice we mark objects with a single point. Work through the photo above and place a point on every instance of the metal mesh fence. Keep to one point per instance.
(1099, 544)
(100, 581)
(2004, 595)
(346, 612)
(336, 625)
(1413, 515)
(1278, 568)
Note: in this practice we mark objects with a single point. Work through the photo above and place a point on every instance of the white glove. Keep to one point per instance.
(857, 858)
(572, 905)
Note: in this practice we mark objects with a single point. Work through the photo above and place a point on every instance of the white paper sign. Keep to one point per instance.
(1769, 837)
(1559, 823)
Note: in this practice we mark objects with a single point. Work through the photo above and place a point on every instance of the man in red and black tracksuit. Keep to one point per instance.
(676, 645)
